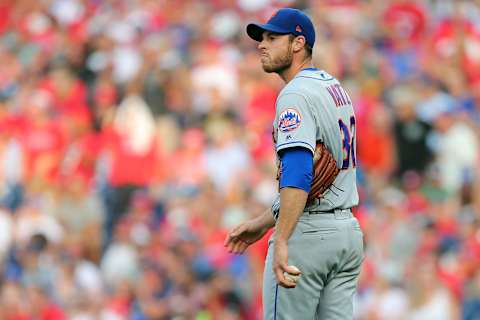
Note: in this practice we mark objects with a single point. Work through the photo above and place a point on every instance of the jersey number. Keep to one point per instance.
(348, 143)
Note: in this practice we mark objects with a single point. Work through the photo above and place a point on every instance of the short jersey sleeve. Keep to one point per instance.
(294, 124)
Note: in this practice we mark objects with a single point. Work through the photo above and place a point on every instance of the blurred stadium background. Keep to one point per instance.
(135, 133)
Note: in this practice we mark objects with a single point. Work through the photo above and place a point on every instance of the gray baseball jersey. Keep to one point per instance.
(314, 107)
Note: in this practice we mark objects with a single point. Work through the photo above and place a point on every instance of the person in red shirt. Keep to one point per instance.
(405, 20)
(455, 43)
(41, 138)
(130, 145)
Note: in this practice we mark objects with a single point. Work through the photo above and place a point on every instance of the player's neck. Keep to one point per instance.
(296, 67)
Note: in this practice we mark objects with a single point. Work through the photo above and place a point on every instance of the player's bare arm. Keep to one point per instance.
(249, 232)
(293, 202)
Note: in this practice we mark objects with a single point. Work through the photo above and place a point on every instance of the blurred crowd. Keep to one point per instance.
(135, 133)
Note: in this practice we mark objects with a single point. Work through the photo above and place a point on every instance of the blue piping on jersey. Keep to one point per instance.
(329, 79)
(275, 305)
(301, 142)
(310, 69)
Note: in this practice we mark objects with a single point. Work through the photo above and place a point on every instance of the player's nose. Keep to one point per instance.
(261, 45)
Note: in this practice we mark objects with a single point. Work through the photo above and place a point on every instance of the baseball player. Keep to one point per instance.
(315, 254)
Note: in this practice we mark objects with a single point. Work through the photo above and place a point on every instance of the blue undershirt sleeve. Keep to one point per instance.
(297, 168)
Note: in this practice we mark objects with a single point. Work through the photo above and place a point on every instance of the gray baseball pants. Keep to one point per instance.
(328, 250)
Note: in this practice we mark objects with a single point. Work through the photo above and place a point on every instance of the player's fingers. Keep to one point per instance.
(281, 279)
(229, 240)
(235, 232)
(233, 246)
(232, 235)
(237, 247)
(293, 270)
(242, 247)
(230, 246)
(285, 283)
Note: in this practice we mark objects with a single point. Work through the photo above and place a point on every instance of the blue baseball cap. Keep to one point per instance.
(285, 21)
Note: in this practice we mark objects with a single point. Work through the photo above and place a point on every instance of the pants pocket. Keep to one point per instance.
(319, 230)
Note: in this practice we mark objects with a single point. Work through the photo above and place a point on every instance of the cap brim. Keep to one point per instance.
(256, 30)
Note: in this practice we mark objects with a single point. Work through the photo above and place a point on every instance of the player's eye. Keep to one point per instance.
(271, 37)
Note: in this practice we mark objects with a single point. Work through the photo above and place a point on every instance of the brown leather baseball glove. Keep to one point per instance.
(325, 171)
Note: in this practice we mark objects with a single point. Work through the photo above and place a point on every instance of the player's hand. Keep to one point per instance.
(243, 235)
(280, 265)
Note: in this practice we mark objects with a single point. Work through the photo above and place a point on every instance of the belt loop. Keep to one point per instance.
(306, 215)
(341, 214)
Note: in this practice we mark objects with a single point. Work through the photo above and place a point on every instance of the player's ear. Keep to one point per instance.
(299, 43)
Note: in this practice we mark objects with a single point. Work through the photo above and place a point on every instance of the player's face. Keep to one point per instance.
(276, 52)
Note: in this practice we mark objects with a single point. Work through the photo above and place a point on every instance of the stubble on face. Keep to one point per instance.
(279, 63)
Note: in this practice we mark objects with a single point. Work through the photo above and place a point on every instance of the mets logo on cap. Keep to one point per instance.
(289, 120)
